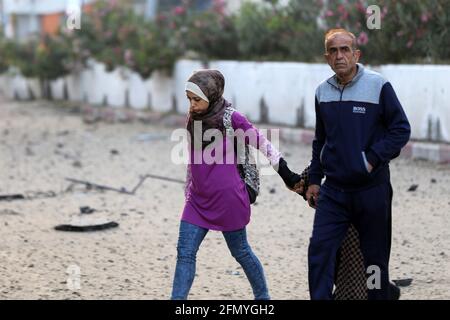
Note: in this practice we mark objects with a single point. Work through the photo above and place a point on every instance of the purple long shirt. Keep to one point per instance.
(216, 196)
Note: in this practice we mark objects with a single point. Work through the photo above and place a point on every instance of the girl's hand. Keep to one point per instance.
(299, 187)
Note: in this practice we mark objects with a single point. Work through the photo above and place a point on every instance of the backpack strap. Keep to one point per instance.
(248, 169)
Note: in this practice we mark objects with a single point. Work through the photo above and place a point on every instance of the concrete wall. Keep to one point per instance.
(283, 93)
(424, 91)
(278, 92)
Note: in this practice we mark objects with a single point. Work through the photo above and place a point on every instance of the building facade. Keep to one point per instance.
(22, 19)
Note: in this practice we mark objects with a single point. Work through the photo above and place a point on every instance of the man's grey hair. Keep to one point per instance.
(330, 33)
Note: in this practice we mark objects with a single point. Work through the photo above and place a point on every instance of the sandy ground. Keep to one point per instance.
(40, 145)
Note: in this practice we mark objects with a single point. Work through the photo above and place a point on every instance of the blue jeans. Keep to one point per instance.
(190, 238)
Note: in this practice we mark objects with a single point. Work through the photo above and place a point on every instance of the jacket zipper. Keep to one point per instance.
(342, 92)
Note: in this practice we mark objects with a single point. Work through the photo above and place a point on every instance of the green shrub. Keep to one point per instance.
(412, 31)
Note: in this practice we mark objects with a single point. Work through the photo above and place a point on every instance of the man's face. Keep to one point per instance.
(340, 55)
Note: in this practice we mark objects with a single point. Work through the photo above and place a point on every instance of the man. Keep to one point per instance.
(360, 127)
(350, 281)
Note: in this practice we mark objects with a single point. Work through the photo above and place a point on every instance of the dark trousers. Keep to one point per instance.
(370, 212)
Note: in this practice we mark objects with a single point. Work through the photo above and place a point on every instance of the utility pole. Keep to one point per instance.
(151, 9)
(34, 24)
(2, 20)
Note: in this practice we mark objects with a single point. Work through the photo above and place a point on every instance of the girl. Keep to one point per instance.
(217, 196)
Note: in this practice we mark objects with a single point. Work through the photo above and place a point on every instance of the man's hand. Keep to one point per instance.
(312, 195)
(369, 167)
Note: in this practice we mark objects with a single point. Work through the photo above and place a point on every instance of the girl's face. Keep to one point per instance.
(196, 104)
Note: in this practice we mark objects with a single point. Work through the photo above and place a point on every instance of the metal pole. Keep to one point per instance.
(151, 9)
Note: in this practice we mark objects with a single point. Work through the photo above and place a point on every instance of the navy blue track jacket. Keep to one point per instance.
(360, 122)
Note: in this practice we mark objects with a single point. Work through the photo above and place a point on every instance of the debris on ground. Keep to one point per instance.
(77, 164)
(403, 282)
(11, 197)
(86, 228)
(29, 195)
(90, 185)
(86, 210)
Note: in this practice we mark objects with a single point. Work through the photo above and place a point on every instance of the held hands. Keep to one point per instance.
(299, 184)
(299, 187)
(312, 195)
(293, 181)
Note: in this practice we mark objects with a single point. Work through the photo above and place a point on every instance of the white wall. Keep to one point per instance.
(423, 90)
(284, 88)
(95, 85)
(424, 93)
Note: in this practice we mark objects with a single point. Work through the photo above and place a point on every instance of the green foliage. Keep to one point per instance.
(4, 56)
(154, 50)
(274, 32)
(24, 57)
(259, 30)
(51, 58)
(412, 31)
(112, 28)
(212, 35)
(44, 58)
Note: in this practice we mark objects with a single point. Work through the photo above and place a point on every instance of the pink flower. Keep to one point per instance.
(384, 12)
(219, 6)
(424, 17)
(329, 13)
(161, 17)
(343, 12)
(360, 7)
(178, 10)
(410, 44)
(362, 39)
